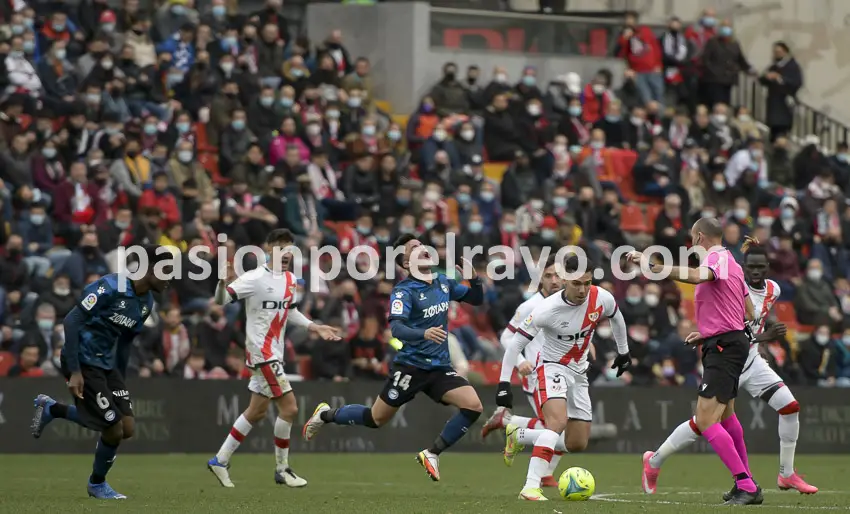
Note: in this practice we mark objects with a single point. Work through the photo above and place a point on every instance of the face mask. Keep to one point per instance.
(432, 195)
(394, 135)
(574, 110)
(788, 213)
(725, 31)
(227, 67)
(575, 149)
(597, 145)
(636, 121)
(369, 130)
(219, 11)
(363, 229)
(501, 78)
(467, 135)
(487, 196)
(184, 156)
(61, 291)
(123, 225)
(651, 299)
(475, 227)
(402, 200)
(108, 27)
(354, 102)
(559, 201)
(529, 80)
(598, 88)
(547, 234)
(821, 339)
(37, 219)
(814, 274)
(719, 185)
(604, 332)
(534, 110)
(668, 371)
(29, 47)
(707, 214)
(45, 324)
(238, 124)
(846, 340)
(537, 204)
(719, 119)
(107, 65)
(150, 129)
(183, 127)
(440, 135)
(429, 224)
(93, 98)
(178, 10)
(332, 114)
(510, 228)
(740, 214)
(708, 21)
(58, 27)
(633, 300)
(745, 118)
(48, 153)
(639, 335)
(463, 198)
(613, 118)
(17, 30)
(756, 154)
(266, 101)
(427, 107)
(313, 130)
(765, 221)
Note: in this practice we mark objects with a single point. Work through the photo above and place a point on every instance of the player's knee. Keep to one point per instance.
(128, 429)
(576, 446)
(114, 434)
(473, 405)
(372, 421)
(556, 425)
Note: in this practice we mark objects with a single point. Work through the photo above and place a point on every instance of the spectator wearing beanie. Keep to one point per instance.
(450, 97)
(138, 38)
(639, 46)
(421, 124)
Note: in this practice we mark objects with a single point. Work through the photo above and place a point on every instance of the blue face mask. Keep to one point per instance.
(183, 127)
(219, 11)
(230, 42)
(574, 110)
(559, 202)
(363, 229)
(296, 72)
(529, 80)
(29, 47)
(394, 135)
(725, 31)
(487, 196)
(613, 118)
(238, 124)
(475, 227)
(575, 149)
(382, 239)
(402, 200)
(463, 198)
(58, 27)
(266, 101)
(709, 21)
(843, 157)
(150, 129)
(178, 10)
(93, 98)
(48, 152)
(17, 30)
(286, 101)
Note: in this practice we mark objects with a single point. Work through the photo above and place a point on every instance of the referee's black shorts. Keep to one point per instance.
(723, 359)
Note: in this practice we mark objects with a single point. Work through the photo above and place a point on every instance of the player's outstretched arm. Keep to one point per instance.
(677, 273)
(72, 323)
(472, 294)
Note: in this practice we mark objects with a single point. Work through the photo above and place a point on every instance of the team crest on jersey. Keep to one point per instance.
(397, 307)
(399, 294)
(89, 301)
(528, 320)
(593, 316)
(445, 288)
(122, 304)
(392, 394)
(101, 290)
(144, 310)
(422, 297)
(565, 324)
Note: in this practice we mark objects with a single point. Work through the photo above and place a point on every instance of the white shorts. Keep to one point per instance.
(558, 381)
(268, 379)
(758, 377)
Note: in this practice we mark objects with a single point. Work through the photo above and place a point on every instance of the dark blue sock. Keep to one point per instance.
(104, 457)
(62, 411)
(351, 415)
(454, 430)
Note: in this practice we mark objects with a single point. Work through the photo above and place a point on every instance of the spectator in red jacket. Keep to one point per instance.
(27, 365)
(639, 46)
(698, 35)
(597, 97)
(161, 199)
(77, 208)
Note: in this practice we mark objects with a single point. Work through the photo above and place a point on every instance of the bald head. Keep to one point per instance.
(707, 232)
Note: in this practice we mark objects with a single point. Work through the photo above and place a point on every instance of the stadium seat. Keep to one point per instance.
(401, 119)
(210, 163)
(632, 219)
(785, 313)
(7, 360)
(495, 170)
(652, 212)
(687, 290)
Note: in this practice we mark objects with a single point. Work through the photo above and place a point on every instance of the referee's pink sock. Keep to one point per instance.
(724, 447)
(736, 432)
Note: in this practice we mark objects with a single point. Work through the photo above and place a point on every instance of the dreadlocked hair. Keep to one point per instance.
(752, 246)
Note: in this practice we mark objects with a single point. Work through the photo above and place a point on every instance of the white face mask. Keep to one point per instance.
(534, 110)
(651, 299)
(604, 332)
(431, 195)
(720, 119)
(537, 204)
(821, 339)
(501, 78)
(636, 121)
(814, 274)
(598, 89)
(467, 135)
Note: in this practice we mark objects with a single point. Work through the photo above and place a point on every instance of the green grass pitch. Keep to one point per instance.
(395, 483)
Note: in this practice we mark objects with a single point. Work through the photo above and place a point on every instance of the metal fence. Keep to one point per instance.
(193, 416)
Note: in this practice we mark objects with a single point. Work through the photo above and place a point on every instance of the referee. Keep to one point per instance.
(722, 306)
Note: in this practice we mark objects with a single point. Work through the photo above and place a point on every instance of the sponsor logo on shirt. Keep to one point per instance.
(397, 307)
(435, 309)
(89, 301)
(122, 320)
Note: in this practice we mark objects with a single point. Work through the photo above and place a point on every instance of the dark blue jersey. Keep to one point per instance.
(111, 317)
(420, 306)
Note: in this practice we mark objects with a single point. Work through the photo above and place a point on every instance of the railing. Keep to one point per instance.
(807, 120)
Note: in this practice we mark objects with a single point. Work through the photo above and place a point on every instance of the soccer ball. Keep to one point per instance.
(576, 484)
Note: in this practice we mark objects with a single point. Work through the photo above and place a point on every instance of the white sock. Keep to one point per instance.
(556, 458)
(523, 422)
(561, 445)
(682, 436)
(541, 457)
(789, 429)
(529, 436)
(282, 429)
(237, 434)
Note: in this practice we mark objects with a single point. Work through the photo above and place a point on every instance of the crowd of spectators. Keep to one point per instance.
(122, 127)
